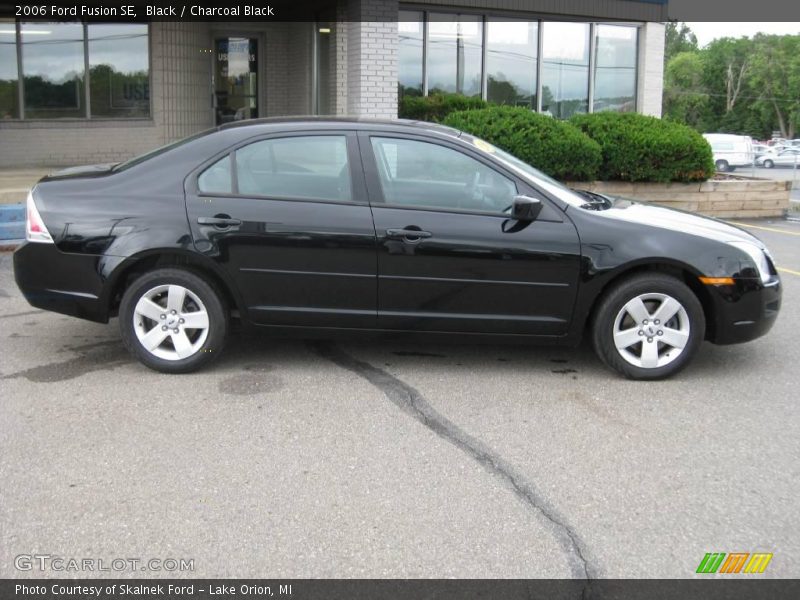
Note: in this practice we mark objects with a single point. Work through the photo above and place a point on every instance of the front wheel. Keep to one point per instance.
(722, 166)
(648, 327)
(173, 320)
(768, 164)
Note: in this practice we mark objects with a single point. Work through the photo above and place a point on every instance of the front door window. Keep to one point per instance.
(235, 79)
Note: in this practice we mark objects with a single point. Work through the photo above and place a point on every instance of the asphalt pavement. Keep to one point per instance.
(301, 459)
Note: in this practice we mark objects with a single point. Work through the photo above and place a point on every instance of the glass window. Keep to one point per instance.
(615, 68)
(52, 61)
(9, 80)
(511, 48)
(216, 178)
(312, 167)
(455, 45)
(119, 70)
(565, 69)
(409, 68)
(427, 175)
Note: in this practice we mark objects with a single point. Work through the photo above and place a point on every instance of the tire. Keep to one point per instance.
(659, 354)
(722, 166)
(768, 164)
(166, 343)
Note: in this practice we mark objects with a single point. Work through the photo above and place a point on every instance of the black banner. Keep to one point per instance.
(309, 10)
(740, 588)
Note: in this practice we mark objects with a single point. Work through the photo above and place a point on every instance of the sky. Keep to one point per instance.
(707, 32)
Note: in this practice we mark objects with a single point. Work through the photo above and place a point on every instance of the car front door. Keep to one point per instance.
(449, 258)
(287, 217)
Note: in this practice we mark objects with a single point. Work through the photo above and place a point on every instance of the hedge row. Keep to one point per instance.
(437, 106)
(641, 148)
(607, 146)
(553, 146)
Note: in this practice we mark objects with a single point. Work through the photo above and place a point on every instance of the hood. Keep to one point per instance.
(677, 220)
(82, 171)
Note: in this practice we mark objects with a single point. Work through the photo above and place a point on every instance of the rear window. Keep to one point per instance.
(159, 151)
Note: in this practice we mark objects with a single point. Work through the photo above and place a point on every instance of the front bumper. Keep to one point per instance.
(70, 284)
(744, 311)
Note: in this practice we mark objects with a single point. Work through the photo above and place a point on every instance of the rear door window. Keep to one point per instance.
(304, 167)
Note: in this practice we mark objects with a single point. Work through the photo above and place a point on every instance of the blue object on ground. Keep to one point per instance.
(12, 221)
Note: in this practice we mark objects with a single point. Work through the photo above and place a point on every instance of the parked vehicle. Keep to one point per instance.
(332, 226)
(762, 149)
(730, 151)
(786, 157)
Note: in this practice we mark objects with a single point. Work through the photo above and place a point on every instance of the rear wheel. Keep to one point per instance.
(648, 327)
(173, 320)
(722, 166)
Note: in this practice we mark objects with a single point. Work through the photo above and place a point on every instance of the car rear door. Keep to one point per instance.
(287, 217)
(448, 258)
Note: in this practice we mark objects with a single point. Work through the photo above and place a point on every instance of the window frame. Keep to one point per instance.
(375, 186)
(86, 79)
(542, 19)
(357, 185)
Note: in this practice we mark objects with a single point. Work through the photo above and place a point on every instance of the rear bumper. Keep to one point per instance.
(745, 311)
(70, 284)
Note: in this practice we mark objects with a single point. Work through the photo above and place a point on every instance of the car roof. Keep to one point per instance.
(312, 122)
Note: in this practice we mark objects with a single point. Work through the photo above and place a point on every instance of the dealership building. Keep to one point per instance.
(74, 92)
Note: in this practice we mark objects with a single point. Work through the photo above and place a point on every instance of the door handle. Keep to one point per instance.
(220, 221)
(408, 235)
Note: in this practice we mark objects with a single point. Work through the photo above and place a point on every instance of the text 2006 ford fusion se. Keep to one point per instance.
(322, 226)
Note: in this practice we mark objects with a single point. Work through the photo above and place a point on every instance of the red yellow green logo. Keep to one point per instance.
(735, 562)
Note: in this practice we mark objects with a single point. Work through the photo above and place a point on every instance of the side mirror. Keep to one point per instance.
(525, 208)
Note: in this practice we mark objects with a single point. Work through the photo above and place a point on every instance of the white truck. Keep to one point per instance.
(730, 151)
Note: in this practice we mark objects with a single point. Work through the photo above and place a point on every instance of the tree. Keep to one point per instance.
(776, 78)
(679, 38)
(727, 65)
(685, 99)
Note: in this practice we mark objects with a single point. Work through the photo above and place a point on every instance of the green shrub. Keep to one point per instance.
(554, 147)
(436, 106)
(640, 148)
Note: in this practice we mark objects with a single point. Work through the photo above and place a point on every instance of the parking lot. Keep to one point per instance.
(305, 459)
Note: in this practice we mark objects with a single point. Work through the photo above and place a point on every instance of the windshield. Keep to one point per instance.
(158, 151)
(526, 171)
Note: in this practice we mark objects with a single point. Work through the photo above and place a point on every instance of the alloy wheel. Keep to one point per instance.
(651, 330)
(171, 322)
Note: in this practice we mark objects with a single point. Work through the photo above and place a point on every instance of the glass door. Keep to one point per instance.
(235, 79)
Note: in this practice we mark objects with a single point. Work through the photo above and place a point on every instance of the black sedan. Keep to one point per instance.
(321, 227)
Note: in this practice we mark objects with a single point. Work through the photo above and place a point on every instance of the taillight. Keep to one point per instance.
(35, 230)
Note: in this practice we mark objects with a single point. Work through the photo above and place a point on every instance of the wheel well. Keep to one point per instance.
(156, 261)
(681, 274)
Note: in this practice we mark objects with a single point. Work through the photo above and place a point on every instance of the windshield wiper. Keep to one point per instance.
(596, 201)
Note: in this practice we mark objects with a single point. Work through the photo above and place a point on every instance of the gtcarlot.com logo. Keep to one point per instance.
(48, 562)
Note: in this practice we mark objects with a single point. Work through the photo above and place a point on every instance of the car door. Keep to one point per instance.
(287, 217)
(449, 258)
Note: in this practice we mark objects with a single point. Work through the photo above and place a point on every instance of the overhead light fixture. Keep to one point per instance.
(324, 29)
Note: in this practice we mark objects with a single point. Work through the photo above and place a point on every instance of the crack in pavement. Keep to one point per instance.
(410, 401)
(21, 314)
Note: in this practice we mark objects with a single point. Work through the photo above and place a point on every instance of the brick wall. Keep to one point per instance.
(180, 106)
(650, 83)
(372, 49)
(724, 199)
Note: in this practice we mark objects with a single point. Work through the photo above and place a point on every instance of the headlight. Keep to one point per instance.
(759, 257)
